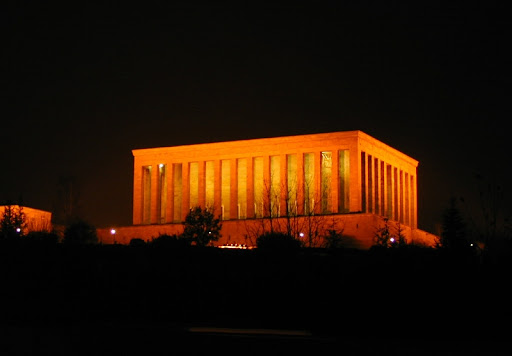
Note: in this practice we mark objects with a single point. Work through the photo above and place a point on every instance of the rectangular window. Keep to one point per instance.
(309, 183)
(178, 191)
(291, 176)
(162, 192)
(226, 188)
(193, 178)
(209, 185)
(242, 188)
(258, 186)
(146, 195)
(344, 175)
(326, 178)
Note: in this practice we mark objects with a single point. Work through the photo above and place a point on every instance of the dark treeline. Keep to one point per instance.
(411, 290)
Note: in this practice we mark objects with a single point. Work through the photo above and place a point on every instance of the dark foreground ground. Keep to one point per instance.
(127, 300)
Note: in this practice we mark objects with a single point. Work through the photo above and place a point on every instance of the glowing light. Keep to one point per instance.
(18, 230)
(301, 234)
(237, 246)
(392, 240)
(161, 165)
(113, 231)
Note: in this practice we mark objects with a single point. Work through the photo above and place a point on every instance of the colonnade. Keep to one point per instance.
(388, 190)
(247, 187)
(321, 174)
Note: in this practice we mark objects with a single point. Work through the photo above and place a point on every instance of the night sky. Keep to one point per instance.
(82, 86)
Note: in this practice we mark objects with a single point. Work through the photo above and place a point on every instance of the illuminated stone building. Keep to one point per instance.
(35, 219)
(347, 181)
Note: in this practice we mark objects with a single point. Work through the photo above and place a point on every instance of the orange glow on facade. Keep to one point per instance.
(344, 180)
(35, 219)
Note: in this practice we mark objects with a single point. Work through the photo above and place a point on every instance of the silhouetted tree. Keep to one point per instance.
(201, 227)
(67, 206)
(334, 236)
(453, 234)
(80, 233)
(13, 222)
(383, 236)
(493, 224)
(399, 239)
(333, 239)
(305, 223)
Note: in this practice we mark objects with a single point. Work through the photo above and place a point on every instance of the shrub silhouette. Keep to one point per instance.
(80, 233)
(41, 238)
(170, 241)
(333, 239)
(201, 227)
(136, 241)
(277, 241)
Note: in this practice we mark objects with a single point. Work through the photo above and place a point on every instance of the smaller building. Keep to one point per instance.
(35, 219)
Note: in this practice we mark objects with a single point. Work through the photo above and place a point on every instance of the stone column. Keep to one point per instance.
(401, 192)
(407, 207)
(202, 184)
(300, 183)
(364, 182)
(217, 191)
(377, 187)
(395, 193)
(137, 193)
(266, 185)
(356, 196)
(169, 212)
(384, 192)
(317, 163)
(250, 187)
(335, 181)
(233, 194)
(154, 195)
(414, 206)
(369, 184)
(283, 202)
(185, 205)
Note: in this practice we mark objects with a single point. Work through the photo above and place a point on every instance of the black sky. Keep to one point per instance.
(82, 86)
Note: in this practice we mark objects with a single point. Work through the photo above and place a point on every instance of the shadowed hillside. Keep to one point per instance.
(407, 293)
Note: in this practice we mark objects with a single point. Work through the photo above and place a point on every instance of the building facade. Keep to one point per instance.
(347, 180)
(34, 219)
